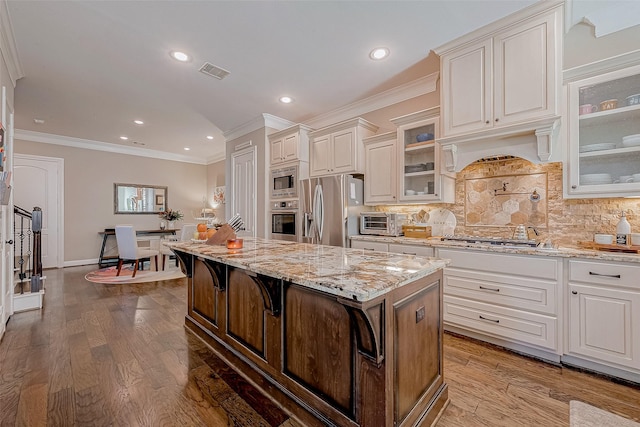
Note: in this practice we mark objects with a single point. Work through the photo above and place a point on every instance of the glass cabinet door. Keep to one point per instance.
(418, 161)
(604, 135)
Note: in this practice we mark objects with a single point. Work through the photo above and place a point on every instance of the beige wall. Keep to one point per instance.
(89, 176)
(582, 47)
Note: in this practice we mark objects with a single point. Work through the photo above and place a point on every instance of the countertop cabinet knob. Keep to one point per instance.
(487, 122)
(574, 186)
(9, 242)
(497, 119)
(574, 292)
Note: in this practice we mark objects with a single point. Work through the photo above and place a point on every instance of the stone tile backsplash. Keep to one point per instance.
(568, 220)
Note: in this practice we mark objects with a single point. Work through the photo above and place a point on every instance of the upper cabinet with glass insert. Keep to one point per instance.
(604, 135)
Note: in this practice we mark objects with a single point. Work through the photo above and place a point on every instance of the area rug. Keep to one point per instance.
(108, 275)
(583, 415)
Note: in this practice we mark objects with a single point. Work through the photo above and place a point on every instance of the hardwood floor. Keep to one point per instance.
(119, 355)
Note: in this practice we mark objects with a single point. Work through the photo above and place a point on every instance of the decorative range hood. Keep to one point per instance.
(533, 141)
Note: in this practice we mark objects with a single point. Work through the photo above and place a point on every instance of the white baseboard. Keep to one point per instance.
(78, 262)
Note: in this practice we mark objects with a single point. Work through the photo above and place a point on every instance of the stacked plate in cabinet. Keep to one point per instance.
(595, 179)
(631, 140)
(597, 147)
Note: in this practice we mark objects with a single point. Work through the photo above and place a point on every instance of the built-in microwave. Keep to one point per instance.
(284, 182)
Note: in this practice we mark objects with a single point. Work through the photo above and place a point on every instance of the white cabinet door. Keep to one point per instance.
(603, 324)
(343, 145)
(276, 151)
(290, 148)
(524, 70)
(369, 246)
(466, 89)
(320, 155)
(380, 176)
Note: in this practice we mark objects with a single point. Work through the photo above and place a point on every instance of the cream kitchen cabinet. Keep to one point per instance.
(407, 249)
(290, 144)
(338, 148)
(503, 74)
(422, 177)
(381, 169)
(508, 299)
(604, 135)
(369, 245)
(603, 302)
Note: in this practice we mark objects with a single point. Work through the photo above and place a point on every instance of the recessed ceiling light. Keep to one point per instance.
(138, 122)
(179, 56)
(379, 53)
(124, 138)
(286, 99)
(187, 148)
(209, 137)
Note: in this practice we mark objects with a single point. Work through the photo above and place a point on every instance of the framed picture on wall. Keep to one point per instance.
(159, 199)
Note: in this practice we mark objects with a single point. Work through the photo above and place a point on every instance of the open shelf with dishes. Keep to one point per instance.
(604, 135)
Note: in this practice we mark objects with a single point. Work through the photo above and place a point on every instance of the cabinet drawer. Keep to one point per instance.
(520, 265)
(411, 249)
(509, 291)
(369, 246)
(516, 325)
(604, 273)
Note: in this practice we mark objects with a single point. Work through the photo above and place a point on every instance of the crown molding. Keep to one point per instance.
(67, 141)
(8, 45)
(218, 157)
(596, 68)
(262, 121)
(421, 86)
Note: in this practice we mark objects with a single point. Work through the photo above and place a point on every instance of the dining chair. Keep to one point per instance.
(128, 249)
(186, 234)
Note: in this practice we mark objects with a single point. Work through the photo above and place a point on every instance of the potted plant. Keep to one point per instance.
(171, 216)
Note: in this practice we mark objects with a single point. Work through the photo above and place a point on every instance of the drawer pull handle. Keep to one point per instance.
(369, 249)
(574, 292)
(490, 320)
(490, 289)
(615, 276)
(409, 253)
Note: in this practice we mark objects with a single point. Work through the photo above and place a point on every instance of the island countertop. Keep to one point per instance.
(344, 272)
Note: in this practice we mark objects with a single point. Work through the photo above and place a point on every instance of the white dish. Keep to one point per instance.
(410, 192)
(598, 147)
(442, 221)
(603, 239)
(595, 178)
(198, 240)
(631, 140)
(420, 193)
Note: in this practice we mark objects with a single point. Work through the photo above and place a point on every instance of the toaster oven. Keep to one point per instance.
(382, 223)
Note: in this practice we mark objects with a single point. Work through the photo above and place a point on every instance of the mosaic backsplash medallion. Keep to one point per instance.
(506, 200)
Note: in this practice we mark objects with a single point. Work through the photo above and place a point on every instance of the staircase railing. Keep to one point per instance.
(27, 232)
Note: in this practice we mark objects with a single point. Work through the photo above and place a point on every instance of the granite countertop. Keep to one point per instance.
(349, 273)
(563, 252)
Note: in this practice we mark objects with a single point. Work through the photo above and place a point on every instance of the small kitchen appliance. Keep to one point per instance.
(382, 223)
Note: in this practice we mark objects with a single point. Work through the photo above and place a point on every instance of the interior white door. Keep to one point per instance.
(243, 193)
(6, 223)
(38, 182)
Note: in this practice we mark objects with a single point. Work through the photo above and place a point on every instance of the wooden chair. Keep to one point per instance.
(128, 249)
(185, 235)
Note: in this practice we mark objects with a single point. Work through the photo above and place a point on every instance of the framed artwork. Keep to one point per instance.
(159, 199)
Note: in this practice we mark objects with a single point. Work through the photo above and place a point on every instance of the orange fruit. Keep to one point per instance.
(203, 235)
(211, 232)
(202, 227)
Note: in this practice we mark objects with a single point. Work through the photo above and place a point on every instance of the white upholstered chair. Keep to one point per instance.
(128, 250)
(185, 235)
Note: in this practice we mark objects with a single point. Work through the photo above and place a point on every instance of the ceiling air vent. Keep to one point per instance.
(213, 71)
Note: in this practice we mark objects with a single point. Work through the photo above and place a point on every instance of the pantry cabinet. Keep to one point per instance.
(339, 148)
(604, 135)
(381, 169)
(422, 178)
(291, 144)
(604, 313)
(503, 74)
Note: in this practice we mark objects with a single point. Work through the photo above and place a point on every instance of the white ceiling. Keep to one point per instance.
(92, 67)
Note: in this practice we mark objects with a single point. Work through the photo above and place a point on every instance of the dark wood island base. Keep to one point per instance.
(324, 358)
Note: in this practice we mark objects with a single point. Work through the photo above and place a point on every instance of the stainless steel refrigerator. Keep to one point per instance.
(331, 208)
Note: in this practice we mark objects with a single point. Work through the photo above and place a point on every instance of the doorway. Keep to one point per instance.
(39, 181)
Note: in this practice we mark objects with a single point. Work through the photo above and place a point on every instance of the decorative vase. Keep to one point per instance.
(172, 225)
(163, 224)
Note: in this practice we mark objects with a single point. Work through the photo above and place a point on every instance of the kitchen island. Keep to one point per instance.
(335, 336)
